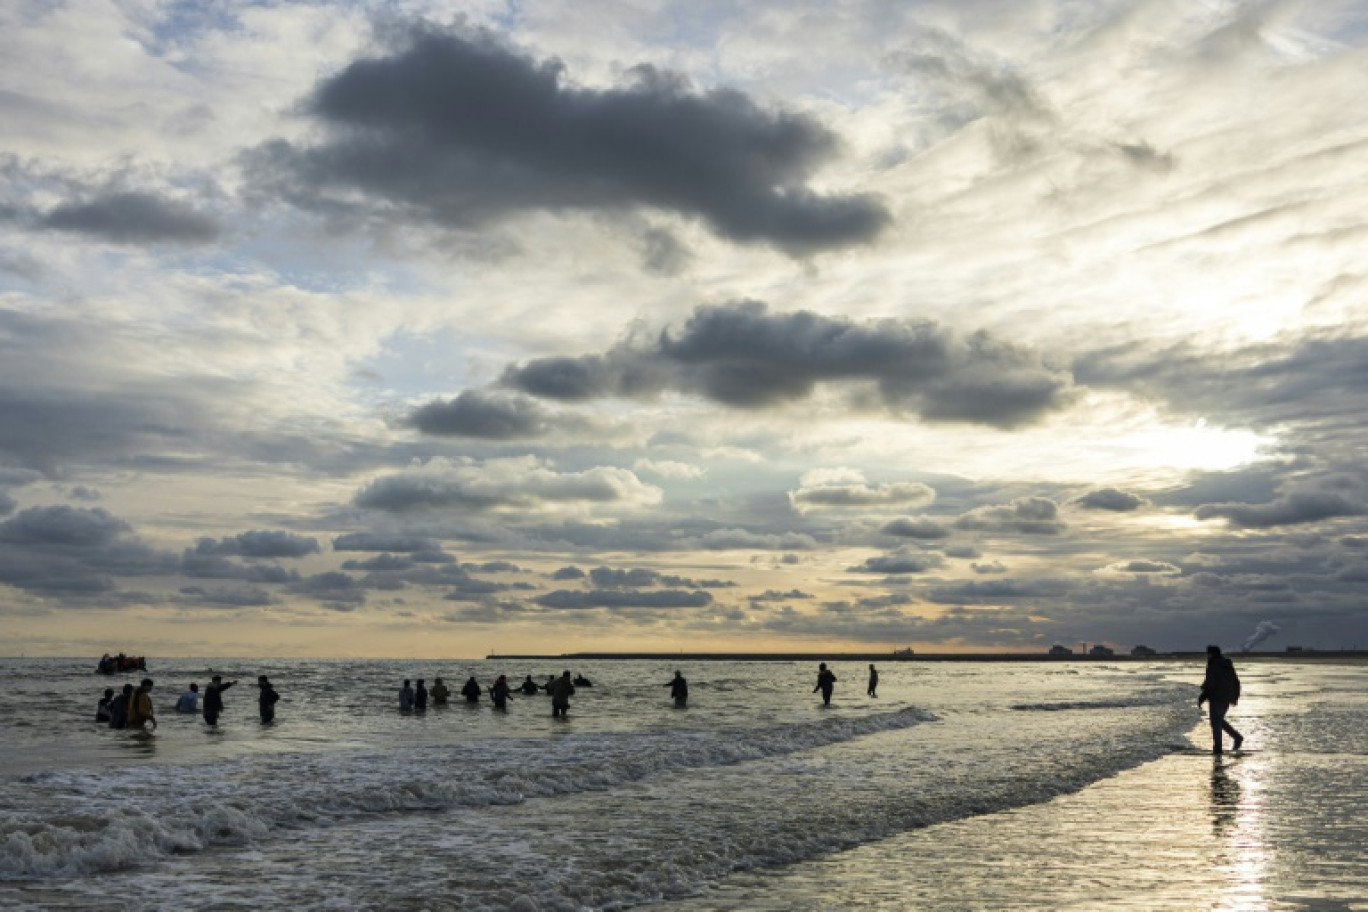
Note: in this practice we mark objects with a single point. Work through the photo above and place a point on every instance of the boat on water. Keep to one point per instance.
(120, 664)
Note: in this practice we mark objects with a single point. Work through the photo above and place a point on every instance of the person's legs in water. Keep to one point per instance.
(1219, 724)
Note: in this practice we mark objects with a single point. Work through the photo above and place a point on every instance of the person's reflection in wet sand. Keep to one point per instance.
(1226, 797)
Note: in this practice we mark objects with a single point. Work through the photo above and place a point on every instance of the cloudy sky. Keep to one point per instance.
(438, 329)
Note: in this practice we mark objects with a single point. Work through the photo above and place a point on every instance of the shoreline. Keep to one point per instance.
(1347, 655)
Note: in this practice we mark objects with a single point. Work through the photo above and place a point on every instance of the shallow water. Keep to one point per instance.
(961, 786)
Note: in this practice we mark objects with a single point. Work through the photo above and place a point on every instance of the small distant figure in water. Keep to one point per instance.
(118, 707)
(873, 680)
(189, 701)
(528, 686)
(582, 681)
(826, 680)
(1221, 690)
(420, 697)
(102, 708)
(267, 699)
(439, 692)
(140, 710)
(499, 692)
(679, 690)
(213, 699)
(561, 690)
(406, 697)
(106, 665)
(472, 690)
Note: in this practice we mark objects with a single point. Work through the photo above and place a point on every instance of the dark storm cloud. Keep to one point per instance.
(1113, 499)
(131, 217)
(1025, 515)
(1295, 508)
(461, 130)
(638, 577)
(230, 598)
(383, 541)
(900, 562)
(774, 595)
(742, 355)
(1299, 381)
(66, 550)
(259, 544)
(206, 564)
(974, 592)
(624, 598)
(568, 573)
(483, 415)
(862, 495)
(921, 528)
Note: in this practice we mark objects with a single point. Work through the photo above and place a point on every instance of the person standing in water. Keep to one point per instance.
(679, 690)
(213, 699)
(102, 708)
(499, 692)
(406, 697)
(528, 686)
(873, 680)
(118, 707)
(140, 710)
(1221, 690)
(189, 701)
(267, 699)
(472, 690)
(561, 690)
(439, 693)
(420, 697)
(826, 681)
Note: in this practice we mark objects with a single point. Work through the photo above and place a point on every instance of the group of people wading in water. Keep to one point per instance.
(133, 707)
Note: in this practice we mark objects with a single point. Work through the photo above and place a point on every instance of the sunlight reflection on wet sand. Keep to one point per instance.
(1247, 831)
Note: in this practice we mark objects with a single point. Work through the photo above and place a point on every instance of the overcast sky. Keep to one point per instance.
(439, 329)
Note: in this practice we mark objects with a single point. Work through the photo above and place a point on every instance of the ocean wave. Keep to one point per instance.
(89, 822)
(1132, 702)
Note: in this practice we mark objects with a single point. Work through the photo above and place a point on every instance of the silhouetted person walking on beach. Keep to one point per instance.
(679, 690)
(213, 699)
(1220, 690)
(826, 680)
(267, 699)
(561, 690)
(873, 680)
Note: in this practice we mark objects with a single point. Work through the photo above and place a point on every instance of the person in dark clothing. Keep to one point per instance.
(561, 690)
(420, 697)
(499, 693)
(826, 680)
(439, 693)
(582, 681)
(102, 708)
(118, 708)
(213, 699)
(873, 680)
(528, 686)
(1220, 690)
(679, 690)
(266, 699)
(472, 690)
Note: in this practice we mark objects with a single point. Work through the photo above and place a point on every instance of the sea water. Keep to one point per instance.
(953, 788)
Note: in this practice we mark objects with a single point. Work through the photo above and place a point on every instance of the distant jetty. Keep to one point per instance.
(906, 656)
